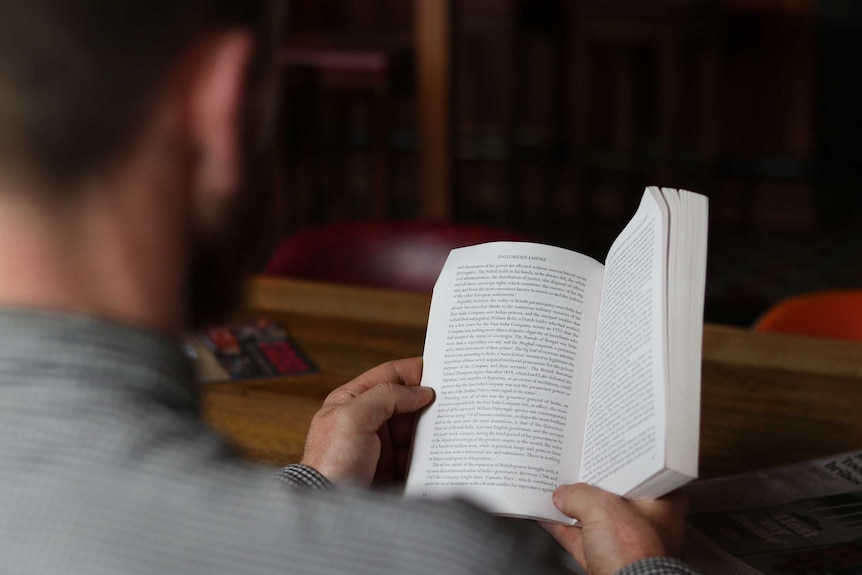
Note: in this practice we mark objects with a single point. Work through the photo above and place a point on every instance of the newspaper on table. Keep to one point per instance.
(804, 518)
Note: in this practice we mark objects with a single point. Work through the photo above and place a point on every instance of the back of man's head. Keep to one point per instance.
(77, 76)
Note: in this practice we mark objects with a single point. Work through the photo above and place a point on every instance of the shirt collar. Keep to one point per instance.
(85, 354)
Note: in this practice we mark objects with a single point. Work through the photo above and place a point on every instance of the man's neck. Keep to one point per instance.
(108, 253)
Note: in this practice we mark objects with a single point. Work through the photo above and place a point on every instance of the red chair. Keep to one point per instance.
(405, 255)
(831, 314)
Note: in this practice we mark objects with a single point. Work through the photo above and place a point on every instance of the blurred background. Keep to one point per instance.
(549, 117)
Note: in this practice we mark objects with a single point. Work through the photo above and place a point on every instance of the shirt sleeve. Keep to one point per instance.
(303, 476)
(658, 566)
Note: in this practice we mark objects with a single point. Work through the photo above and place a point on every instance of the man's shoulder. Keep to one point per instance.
(180, 512)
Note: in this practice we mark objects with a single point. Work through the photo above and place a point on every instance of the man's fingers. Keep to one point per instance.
(581, 501)
(403, 371)
(377, 405)
(364, 424)
(571, 538)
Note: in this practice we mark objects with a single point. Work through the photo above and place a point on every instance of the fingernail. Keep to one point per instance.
(426, 391)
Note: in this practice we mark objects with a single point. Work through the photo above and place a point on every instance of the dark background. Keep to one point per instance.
(564, 110)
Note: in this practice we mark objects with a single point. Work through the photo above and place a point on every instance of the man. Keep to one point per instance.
(125, 132)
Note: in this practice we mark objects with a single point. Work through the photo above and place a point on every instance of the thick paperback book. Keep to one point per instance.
(551, 368)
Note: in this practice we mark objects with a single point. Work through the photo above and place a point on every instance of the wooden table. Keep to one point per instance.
(767, 399)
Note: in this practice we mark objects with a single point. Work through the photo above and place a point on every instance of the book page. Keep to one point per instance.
(508, 352)
(624, 441)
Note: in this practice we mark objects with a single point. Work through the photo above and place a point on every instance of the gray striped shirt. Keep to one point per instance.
(106, 467)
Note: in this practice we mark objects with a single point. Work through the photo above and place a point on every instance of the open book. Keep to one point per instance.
(551, 368)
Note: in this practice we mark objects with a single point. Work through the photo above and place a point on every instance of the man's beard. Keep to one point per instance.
(221, 265)
(215, 284)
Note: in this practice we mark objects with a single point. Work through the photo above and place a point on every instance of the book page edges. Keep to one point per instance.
(660, 484)
(684, 396)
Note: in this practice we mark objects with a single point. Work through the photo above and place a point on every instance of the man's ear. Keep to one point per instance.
(216, 103)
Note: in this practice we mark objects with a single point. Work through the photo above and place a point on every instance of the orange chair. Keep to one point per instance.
(405, 255)
(832, 314)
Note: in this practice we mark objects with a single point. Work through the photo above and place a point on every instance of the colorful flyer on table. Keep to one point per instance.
(254, 349)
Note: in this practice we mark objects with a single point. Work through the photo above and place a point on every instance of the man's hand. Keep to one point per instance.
(363, 431)
(615, 532)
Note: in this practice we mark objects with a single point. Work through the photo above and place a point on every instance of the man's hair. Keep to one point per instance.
(77, 77)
